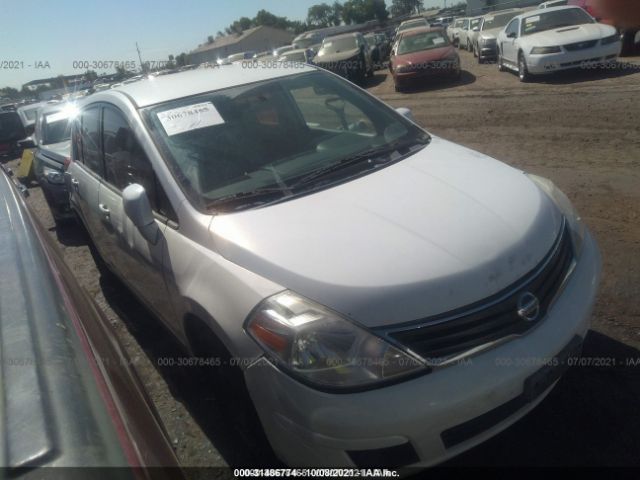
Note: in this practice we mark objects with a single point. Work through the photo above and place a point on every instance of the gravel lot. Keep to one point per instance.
(580, 129)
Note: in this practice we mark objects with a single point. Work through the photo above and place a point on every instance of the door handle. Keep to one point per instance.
(76, 185)
(104, 210)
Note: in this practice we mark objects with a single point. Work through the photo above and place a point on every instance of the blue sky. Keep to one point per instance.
(63, 31)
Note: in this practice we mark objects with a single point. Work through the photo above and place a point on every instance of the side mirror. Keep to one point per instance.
(476, 29)
(406, 113)
(136, 206)
(511, 35)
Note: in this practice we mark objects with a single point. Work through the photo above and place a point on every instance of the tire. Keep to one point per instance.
(523, 71)
(475, 51)
(469, 47)
(397, 88)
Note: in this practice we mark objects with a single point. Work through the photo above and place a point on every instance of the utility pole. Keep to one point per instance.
(140, 58)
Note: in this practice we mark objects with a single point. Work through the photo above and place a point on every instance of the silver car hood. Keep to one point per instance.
(441, 229)
(568, 35)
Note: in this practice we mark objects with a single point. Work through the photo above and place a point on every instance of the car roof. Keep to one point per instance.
(150, 91)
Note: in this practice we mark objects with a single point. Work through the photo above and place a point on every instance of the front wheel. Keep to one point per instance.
(523, 71)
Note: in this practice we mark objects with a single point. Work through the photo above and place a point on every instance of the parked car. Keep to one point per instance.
(296, 56)
(278, 52)
(412, 23)
(11, 132)
(28, 114)
(559, 38)
(380, 47)
(485, 44)
(422, 54)
(71, 395)
(348, 55)
(553, 3)
(467, 32)
(53, 142)
(453, 32)
(350, 262)
(312, 40)
(629, 35)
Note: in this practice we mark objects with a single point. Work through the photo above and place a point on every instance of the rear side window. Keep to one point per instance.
(90, 139)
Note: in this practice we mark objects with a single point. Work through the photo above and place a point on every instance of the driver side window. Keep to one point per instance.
(512, 28)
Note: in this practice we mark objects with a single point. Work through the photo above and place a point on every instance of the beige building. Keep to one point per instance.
(258, 39)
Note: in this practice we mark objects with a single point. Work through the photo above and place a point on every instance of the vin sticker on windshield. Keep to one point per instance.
(191, 117)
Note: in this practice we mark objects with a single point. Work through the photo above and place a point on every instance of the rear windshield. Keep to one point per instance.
(11, 128)
(422, 41)
(555, 19)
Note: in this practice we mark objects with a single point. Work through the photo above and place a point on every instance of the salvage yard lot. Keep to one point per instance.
(580, 129)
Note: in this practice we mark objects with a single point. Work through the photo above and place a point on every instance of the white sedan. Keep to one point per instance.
(553, 39)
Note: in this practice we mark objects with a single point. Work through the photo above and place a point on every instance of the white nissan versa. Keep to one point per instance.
(396, 298)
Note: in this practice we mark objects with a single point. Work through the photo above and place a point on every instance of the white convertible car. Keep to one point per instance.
(553, 39)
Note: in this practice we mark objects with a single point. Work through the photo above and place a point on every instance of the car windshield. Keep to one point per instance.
(497, 21)
(336, 45)
(307, 42)
(555, 19)
(422, 41)
(267, 141)
(57, 128)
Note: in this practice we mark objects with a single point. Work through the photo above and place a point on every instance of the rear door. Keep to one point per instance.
(138, 262)
(86, 169)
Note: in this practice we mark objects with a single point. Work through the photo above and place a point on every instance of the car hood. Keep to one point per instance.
(424, 56)
(439, 230)
(568, 35)
(490, 32)
(336, 57)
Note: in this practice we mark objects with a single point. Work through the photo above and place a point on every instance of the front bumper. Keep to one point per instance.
(444, 70)
(311, 428)
(588, 58)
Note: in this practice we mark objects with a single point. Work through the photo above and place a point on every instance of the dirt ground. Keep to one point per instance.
(582, 130)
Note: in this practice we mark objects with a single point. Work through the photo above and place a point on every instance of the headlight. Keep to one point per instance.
(322, 348)
(545, 50)
(577, 226)
(53, 176)
(609, 40)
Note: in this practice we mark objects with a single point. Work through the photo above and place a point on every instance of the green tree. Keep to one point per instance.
(320, 15)
(405, 7)
(360, 11)
(10, 92)
(90, 75)
(336, 14)
(182, 60)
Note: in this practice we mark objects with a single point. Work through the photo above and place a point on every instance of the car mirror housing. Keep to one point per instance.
(511, 35)
(136, 206)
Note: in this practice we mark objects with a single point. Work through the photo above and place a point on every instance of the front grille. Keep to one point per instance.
(572, 47)
(452, 334)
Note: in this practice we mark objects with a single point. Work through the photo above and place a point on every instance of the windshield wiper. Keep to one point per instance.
(257, 194)
(368, 156)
